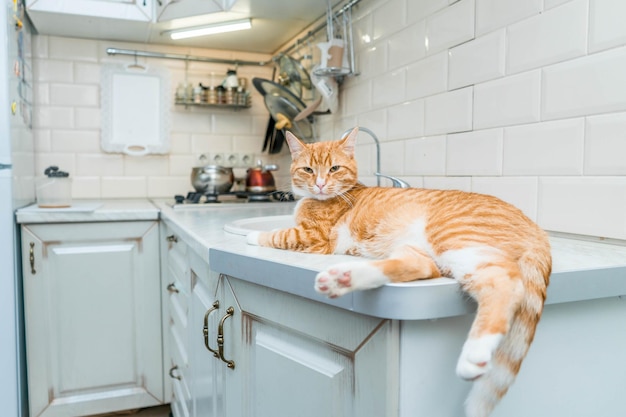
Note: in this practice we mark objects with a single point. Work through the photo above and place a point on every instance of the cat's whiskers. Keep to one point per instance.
(348, 198)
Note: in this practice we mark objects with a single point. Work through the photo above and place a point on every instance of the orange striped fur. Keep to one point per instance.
(499, 256)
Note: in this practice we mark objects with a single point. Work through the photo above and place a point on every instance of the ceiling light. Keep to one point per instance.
(210, 29)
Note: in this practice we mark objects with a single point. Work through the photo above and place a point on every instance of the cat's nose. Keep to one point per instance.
(320, 182)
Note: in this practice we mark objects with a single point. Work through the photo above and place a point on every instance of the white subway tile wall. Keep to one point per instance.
(522, 99)
(67, 120)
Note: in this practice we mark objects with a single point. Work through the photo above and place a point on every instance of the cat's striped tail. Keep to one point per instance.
(512, 346)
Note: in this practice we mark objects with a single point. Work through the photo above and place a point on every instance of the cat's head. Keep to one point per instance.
(323, 170)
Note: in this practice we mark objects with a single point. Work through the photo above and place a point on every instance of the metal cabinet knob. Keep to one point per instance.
(32, 258)
(172, 369)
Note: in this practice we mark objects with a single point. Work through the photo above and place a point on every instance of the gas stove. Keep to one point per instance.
(196, 200)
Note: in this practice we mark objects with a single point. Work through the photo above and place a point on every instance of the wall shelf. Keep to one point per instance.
(213, 106)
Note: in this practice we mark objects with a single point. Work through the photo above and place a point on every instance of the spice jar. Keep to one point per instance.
(211, 95)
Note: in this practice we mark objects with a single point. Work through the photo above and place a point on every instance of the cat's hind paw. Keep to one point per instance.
(475, 359)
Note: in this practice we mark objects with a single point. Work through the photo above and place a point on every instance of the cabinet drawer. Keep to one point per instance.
(179, 306)
(180, 404)
(179, 353)
(178, 409)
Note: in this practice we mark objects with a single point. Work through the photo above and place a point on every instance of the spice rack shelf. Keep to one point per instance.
(212, 105)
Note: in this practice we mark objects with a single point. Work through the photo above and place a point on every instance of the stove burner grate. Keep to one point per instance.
(197, 198)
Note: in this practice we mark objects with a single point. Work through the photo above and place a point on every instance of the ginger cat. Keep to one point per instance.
(499, 256)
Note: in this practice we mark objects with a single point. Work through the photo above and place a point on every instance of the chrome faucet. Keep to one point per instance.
(396, 182)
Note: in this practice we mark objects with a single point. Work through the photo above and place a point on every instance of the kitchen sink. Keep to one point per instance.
(260, 224)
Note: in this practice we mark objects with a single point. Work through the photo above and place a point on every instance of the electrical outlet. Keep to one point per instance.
(231, 159)
(246, 160)
(217, 159)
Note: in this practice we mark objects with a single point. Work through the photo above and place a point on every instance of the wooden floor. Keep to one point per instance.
(161, 411)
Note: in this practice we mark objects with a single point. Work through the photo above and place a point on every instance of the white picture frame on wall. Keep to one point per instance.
(135, 105)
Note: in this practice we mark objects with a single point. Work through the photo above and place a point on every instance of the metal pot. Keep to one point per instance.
(212, 179)
(259, 179)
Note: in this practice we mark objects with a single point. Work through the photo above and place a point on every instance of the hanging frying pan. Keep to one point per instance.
(284, 106)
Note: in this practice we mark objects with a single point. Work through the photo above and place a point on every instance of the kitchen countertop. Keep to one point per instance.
(90, 211)
(582, 269)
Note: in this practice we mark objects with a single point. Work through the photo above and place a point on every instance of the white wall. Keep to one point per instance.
(523, 99)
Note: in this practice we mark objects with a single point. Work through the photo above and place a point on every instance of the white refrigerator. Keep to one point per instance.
(17, 189)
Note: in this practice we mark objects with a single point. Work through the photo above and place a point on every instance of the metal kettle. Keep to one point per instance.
(259, 179)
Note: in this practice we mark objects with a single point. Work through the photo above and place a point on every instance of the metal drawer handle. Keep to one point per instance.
(172, 369)
(32, 258)
(220, 338)
(172, 288)
(205, 329)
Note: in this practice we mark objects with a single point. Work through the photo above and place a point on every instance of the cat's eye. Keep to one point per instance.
(334, 168)
(308, 170)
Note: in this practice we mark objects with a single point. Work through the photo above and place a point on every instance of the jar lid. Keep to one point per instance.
(53, 172)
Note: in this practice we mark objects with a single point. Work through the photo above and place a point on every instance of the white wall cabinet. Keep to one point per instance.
(128, 20)
(93, 317)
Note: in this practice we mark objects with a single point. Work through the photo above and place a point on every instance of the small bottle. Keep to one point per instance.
(197, 94)
(180, 92)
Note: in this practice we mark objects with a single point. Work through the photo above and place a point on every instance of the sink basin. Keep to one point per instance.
(259, 224)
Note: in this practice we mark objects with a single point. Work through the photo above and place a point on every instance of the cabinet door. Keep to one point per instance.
(206, 393)
(92, 308)
(208, 307)
(306, 359)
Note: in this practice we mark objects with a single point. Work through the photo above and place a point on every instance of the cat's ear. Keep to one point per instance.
(349, 142)
(295, 146)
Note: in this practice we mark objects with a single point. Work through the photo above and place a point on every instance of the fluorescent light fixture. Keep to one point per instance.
(210, 29)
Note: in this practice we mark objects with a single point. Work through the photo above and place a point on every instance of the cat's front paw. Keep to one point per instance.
(252, 238)
(475, 359)
(334, 282)
(342, 278)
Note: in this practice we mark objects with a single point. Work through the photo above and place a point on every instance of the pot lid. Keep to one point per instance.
(284, 111)
(292, 75)
(284, 106)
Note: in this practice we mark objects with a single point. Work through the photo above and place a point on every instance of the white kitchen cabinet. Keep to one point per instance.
(128, 20)
(290, 356)
(92, 317)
